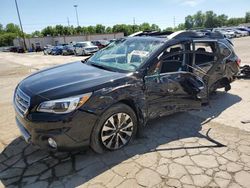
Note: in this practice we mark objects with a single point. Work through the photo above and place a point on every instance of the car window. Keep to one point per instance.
(84, 44)
(172, 59)
(204, 52)
(224, 50)
(78, 45)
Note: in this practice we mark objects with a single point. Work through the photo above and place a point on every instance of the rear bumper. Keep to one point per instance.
(70, 132)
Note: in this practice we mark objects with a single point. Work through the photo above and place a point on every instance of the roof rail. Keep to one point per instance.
(151, 33)
(179, 34)
(193, 34)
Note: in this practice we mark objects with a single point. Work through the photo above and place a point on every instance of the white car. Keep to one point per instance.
(226, 33)
(241, 33)
(85, 48)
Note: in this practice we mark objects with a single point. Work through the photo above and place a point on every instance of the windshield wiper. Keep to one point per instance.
(102, 67)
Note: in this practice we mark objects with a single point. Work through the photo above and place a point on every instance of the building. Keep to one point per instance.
(56, 40)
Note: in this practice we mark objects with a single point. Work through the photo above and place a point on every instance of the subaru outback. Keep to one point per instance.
(103, 101)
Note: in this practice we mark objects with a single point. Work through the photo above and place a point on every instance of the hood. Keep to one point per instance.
(68, 80)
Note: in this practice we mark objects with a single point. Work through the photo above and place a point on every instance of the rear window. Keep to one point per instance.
(224, 50)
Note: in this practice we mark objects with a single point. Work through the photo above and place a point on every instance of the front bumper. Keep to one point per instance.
(90, 52)
(70, 132)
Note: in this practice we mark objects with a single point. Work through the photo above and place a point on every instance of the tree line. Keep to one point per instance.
(211, 20)
(97, 29)
(199, 20)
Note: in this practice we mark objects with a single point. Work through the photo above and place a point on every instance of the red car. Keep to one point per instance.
(100, 43)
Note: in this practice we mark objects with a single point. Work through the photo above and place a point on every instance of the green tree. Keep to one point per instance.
(168, 29)
(198, 19)
(91, 29)
(48, 31)
(210, 19)
(145, 27)
(222, 20)
(12, 28)
(78, 29)
(189, 22)
(126, 29)
(247, 17)
(235, 21)
(155, 27)
(99, 28)
(180, 27)
(108, 30)
(6, 39)
(1, 28)
(58, 30)
(36, 34)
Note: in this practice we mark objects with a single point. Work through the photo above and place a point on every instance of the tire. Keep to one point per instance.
(108, 134)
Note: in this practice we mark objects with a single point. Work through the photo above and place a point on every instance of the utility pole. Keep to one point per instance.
(76, 14)
(68, 21)
(174, 21)
(20, 22)
(133, 24)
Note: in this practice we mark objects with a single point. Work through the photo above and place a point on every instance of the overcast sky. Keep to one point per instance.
(36, 14)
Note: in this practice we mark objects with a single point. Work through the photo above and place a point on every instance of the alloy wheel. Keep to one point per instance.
(117, 131)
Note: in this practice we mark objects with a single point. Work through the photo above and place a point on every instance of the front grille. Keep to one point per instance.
(21, 102)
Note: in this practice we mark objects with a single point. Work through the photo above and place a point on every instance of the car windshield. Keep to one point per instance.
(125, 54)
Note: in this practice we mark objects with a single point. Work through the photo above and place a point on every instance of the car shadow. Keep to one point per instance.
(22, 164)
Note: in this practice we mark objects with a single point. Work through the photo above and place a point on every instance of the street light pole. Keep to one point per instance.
(76, 14)
(20, 22)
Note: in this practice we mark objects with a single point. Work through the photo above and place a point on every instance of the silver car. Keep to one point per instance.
(85, 48)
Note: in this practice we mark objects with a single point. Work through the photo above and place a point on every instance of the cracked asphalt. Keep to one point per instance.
(207, 148)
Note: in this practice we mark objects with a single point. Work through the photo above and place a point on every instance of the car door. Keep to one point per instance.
(78, 48)
(169, 86)
(207, 64)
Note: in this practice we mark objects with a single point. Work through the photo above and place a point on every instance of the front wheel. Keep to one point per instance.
(115, 129)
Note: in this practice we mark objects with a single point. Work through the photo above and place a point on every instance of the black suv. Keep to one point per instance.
(104, 100)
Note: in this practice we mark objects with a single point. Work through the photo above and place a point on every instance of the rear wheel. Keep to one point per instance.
(116, 128)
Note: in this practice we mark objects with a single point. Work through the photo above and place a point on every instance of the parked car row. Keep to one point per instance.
(228, 32)
(12, 49)
(79, 48)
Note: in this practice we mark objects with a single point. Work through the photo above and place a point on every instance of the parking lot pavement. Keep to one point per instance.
(207, 148)
(179, 151)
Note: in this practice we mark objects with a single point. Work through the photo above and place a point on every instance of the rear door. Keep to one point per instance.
(207, 63)
(170, 87)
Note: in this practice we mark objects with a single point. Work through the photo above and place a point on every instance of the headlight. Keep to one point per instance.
(63, 106)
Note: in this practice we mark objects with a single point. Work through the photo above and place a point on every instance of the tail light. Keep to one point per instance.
(238, 61)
